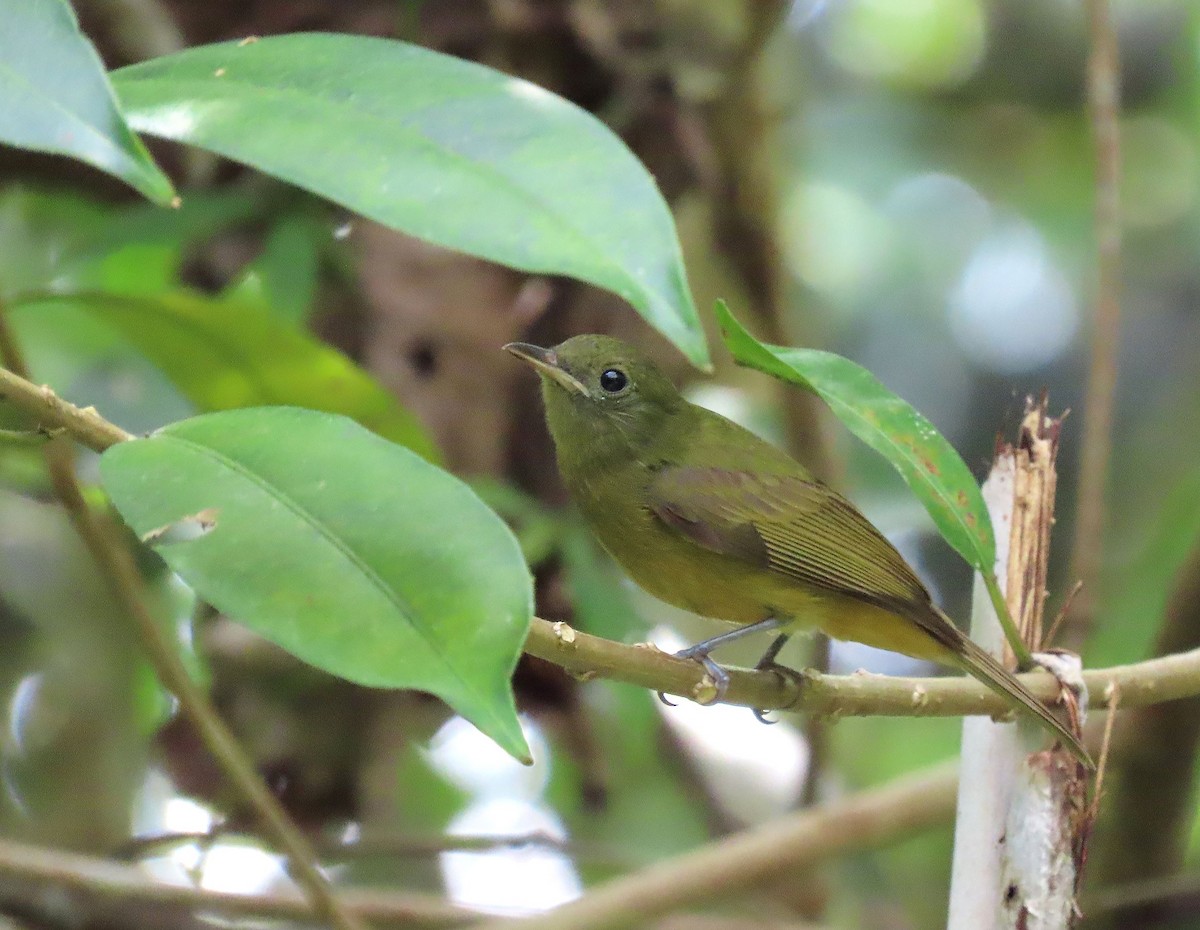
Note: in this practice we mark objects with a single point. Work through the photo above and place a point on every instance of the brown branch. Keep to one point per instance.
(736, 863)
(734, 151)
(99, 887)
(106, 546)
(1103, 88)
(397, 846)
(1044, 835)
(46, 408)
(32, 875)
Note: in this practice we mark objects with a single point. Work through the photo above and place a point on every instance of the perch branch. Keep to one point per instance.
(857, 695)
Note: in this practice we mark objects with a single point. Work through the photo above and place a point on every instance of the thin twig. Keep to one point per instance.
(100, 884)
(1052, 633)
(736, 863)
(1142, 684)
(397, 846)
(1114, 702)
(1004, 617)
(104, 543)
(1103, 89)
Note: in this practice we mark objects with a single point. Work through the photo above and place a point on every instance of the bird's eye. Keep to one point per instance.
(613, 380)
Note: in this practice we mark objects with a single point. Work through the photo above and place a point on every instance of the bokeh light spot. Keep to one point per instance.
(1013, 309)
(922, 43)
(509, 879)
(1158, 177)
(834, 241)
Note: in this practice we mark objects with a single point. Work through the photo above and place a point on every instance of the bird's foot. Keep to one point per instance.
(711, 689)
(768, 664)
(789, 674)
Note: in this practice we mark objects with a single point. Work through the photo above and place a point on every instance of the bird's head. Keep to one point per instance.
(600, 393)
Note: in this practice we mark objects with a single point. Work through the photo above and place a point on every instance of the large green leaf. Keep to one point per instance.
(927, 462)
(55, 96)
(223, 354)
(443, 149)
(353, 553)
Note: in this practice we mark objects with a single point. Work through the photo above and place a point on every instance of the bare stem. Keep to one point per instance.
(98, 887)
(744, 860)
(1011, 634)
(103, 541)
(1103, 88)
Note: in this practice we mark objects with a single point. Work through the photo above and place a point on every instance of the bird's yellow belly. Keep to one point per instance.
(720, 587)
(707, 583)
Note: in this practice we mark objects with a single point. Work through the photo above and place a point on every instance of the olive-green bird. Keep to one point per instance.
(706, 516)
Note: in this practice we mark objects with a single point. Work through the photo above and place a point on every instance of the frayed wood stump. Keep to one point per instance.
(1022, 814)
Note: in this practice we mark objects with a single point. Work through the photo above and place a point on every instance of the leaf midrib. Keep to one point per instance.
(272, 491)
(774, 355)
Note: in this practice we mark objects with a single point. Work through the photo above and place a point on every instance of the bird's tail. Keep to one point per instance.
(1003, 682)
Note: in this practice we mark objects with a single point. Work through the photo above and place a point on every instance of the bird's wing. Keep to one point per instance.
(787, 524)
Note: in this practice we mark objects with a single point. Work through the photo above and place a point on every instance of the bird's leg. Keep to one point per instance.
(768, 664)
(700, 652)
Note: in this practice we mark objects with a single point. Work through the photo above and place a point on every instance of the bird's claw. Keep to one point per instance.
(662, 696)
(714, 675)
(768, 664)
(710, 689)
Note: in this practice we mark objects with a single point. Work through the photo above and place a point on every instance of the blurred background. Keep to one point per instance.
(907, 182)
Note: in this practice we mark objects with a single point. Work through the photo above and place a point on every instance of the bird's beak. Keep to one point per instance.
(545, 362)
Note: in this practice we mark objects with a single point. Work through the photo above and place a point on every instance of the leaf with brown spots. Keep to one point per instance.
(889, 425)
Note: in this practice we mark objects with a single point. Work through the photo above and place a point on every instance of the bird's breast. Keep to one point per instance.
(672, 567)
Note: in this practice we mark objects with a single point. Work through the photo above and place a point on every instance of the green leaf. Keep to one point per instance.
(352, 553)
(443, 149)
(928, 463)
(224, 354)
(287, 270)
(55, 96)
